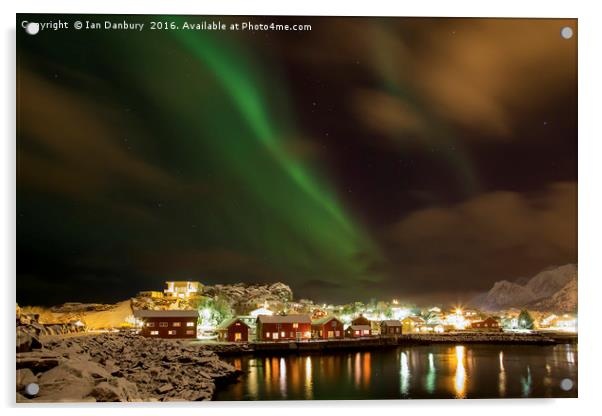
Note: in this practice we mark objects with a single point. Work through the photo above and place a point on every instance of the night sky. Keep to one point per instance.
(415, 158)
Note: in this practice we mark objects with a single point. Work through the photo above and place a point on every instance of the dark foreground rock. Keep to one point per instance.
(230, 348)
(30, 330)
(120, 367)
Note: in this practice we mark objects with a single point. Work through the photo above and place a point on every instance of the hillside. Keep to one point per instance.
(553, 289)
(241, 297)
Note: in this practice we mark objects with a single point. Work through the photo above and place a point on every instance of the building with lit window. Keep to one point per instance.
(233, 330)
(327, 327)
(412, 324)
(283, 328)
(168, 324)
(490, 324)
(358, 331)
(182, 289)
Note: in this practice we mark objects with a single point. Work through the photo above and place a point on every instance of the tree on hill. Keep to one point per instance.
(213, 311)
(525, 320)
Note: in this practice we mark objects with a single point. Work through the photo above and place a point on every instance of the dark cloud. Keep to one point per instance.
(72, 149)
(496, 235)
(483, 75)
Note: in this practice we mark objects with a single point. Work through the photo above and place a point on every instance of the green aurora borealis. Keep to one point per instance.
(227, 157)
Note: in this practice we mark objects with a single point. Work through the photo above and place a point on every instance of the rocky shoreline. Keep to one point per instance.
(123, 367)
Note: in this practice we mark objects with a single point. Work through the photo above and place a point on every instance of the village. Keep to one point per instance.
(183, 335)
(277, 321)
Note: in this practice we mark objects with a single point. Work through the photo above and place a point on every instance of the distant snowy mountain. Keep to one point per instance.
(552, 289)
(565, 300)
(505, 293)
(548, 282)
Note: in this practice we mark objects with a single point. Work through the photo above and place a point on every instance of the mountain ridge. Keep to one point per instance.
(552, 289)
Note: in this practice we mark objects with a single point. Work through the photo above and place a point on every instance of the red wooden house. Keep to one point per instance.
(168, 324)
(358, 331)
(390, 327)
(327, 327)
(361, 320)
(233, 330)
(489, 324)
(283, 328)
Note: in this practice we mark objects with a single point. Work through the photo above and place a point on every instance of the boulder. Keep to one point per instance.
(24, 377)
(165, 388)
(71, 381)
(26, 341)
(117, 390)
(38, 361)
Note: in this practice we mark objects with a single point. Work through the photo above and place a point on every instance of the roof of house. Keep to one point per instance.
(391, 322)
(415, 319)
(360, 327)
(225, 324)
(166, 314)
(323, 320)
(286, 319)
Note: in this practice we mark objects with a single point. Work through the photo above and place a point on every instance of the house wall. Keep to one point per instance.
(167, 327)
(233, 329)
(487, 325)
(390, 330)
(284, 331)
(351, 333)
(409, 328)
(322, 331)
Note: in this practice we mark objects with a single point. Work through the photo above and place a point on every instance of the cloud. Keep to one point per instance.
(496, 235)
(385, 113)
(69, 145)
(483, 75)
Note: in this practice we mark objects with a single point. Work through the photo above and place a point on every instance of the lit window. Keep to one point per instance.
(150, 324)
(282, 334)
(177, 324)
(267, 334)
(154, 332)
(189, 323)
(163, 324)
(295, 325)
(189, 332)
(171, 332)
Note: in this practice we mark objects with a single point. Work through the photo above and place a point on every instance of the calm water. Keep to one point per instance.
(417, 372)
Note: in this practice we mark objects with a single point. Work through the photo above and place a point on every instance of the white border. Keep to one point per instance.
(590, 199)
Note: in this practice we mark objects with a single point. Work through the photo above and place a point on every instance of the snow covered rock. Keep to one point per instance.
(553, 289)
(24, 377)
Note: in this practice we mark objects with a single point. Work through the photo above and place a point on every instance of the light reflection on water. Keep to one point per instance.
(460, 377)
(434, 371)
(502, 377)
(431, 375)
(404, 373)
